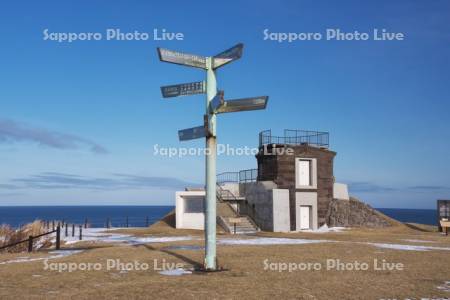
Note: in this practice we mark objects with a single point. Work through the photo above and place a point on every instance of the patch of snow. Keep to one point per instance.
(407, 247)
(445, 287)
(99, 235)
(268, 241)
(418, 241)
(175, 272)
(144, 240)
(324, 229)
(54, 254)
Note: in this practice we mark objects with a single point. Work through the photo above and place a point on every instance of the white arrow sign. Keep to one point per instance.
(184, 89)
(192, 133)
(227, 56)
(244, 104)
(180, 58)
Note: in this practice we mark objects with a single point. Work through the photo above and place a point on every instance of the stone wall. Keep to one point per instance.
(354, 213)
(280, 168)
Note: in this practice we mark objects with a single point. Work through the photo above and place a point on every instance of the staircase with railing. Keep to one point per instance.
(229, 216)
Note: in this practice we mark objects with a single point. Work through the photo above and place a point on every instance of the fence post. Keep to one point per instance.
(81, 232)
(30, 243)
(53, 225)
(73, 229)
(66, 230)
(108, 223)
(234, 227)
(58, 238)
(85, 223)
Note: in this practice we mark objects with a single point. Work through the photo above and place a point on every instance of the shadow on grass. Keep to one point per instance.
(420, 228)
(185, 259)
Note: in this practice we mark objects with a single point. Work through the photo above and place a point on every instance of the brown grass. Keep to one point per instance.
(245, 277)
(10, 236)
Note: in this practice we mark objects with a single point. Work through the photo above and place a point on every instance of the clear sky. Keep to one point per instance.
(79, 121)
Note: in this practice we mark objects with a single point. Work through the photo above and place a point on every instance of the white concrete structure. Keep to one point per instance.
(189, 209)
(281, 212)
(340, 191)
(267, 205)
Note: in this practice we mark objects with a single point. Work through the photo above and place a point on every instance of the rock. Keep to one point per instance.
(354, 213)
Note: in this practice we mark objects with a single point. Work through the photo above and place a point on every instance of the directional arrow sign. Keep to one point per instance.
(217, 101)
(192, 133)
(184, 89)
(243, 104)
(179, 58)
(227, 56)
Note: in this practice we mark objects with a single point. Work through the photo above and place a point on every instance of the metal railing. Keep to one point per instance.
(222, 193)
(249, 175)
(242, 176)
(295, 137)
(228, 177)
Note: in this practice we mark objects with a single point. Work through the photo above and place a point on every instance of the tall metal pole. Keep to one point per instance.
(209, 131)
(211, 151)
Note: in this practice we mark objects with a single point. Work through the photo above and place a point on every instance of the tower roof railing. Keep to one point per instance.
(295, 137)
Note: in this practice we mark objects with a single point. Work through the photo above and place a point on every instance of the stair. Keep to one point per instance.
(244, 225)
(230, 219)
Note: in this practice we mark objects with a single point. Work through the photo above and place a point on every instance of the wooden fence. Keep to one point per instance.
(32, 238)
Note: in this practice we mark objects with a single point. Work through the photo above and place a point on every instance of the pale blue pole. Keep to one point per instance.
(211, 151)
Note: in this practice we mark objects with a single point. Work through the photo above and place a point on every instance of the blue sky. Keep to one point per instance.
(78, 121)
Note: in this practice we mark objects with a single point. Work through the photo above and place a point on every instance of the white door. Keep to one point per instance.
(304, 217)
(304, 172)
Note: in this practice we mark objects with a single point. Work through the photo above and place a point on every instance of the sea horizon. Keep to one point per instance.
(145, 215)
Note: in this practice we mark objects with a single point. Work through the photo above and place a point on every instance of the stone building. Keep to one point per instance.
(290, 190)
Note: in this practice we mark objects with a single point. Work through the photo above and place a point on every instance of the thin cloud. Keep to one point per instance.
(368, 187)
(52, 180)
(429, 188)
(11, 131)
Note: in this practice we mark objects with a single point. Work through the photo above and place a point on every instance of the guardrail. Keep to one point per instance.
(242, 176)
(31, 238)
(105, 222)
(295, 137)
(228, 177)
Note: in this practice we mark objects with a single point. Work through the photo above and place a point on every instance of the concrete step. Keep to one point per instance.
(243, 225)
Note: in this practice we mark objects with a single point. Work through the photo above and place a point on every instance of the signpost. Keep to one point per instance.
(184, 89)
(215, 104)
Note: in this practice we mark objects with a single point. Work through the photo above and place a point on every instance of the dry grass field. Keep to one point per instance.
(425, 274)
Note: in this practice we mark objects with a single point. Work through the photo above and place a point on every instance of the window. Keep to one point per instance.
(306, 173)
(193, 205)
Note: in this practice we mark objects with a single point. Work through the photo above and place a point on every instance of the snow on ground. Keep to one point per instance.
(99, 235)
(54, 254)
(407, 247)
(418, 241)
(445, 287)
(324, 229)
(175, 272)
(267, 241)
(185, 247)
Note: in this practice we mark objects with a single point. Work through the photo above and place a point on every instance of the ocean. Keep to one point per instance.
(139, 216)
(97, 216)
(422, 216)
